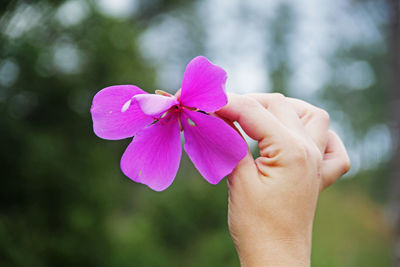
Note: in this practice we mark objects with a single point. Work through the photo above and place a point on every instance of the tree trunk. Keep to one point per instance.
(394, 42)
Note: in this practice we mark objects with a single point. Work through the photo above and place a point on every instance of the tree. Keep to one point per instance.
(394, 42)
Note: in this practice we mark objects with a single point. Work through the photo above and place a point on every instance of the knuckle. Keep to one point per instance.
(247, 102)
(303, 154)
(300, 153)
(278, 96)
(322, 115)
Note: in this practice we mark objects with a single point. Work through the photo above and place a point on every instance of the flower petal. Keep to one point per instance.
(153, 157)
(155, 104)
(214, 147)
(203, 85)
(115, 115)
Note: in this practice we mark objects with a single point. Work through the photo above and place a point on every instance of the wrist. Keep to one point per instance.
(280, 252)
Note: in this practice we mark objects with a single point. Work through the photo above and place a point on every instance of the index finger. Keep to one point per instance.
(257, 122)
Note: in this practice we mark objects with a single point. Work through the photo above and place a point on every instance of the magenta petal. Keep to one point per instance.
(115, 115)
(203, 85)
(214, 147)
(153, 157)
(155, 104)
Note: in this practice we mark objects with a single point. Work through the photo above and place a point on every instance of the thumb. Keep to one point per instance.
(244, 175)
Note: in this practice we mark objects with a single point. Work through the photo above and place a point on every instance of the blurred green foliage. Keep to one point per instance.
(63, 198)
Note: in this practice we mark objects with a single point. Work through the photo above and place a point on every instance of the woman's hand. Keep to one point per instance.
(272, 199)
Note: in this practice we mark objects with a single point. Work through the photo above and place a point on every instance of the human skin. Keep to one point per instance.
(272, 199)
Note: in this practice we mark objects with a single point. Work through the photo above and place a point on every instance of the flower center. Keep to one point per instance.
(173, 112)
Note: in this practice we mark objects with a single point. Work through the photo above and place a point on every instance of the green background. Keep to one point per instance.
(64, 200)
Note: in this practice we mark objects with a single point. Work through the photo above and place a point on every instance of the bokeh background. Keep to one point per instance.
(64, 200)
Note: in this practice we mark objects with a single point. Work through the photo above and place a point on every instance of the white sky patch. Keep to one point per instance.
(25, 18)
(9, 71)
(365, 153)
(323, 26)
(162, 45)
(170, 77)
(72, 12)
(372, 150)
(117, 8)
(310, 76)
(67, 58)
(246, 77)
(162, 42)
(237, 43)
(376, 146)
(311, 44)
(356, 75)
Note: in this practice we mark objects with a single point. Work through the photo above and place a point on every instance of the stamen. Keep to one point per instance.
(190, 108)
(180, 124)
(161, 92)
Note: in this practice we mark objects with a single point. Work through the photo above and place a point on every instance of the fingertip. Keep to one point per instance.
(228, 111)
(336, 160)
(178, 93)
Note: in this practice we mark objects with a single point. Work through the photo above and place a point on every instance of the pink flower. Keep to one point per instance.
(153, 157)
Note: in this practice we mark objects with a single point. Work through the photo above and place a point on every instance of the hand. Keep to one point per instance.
(272, 199)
